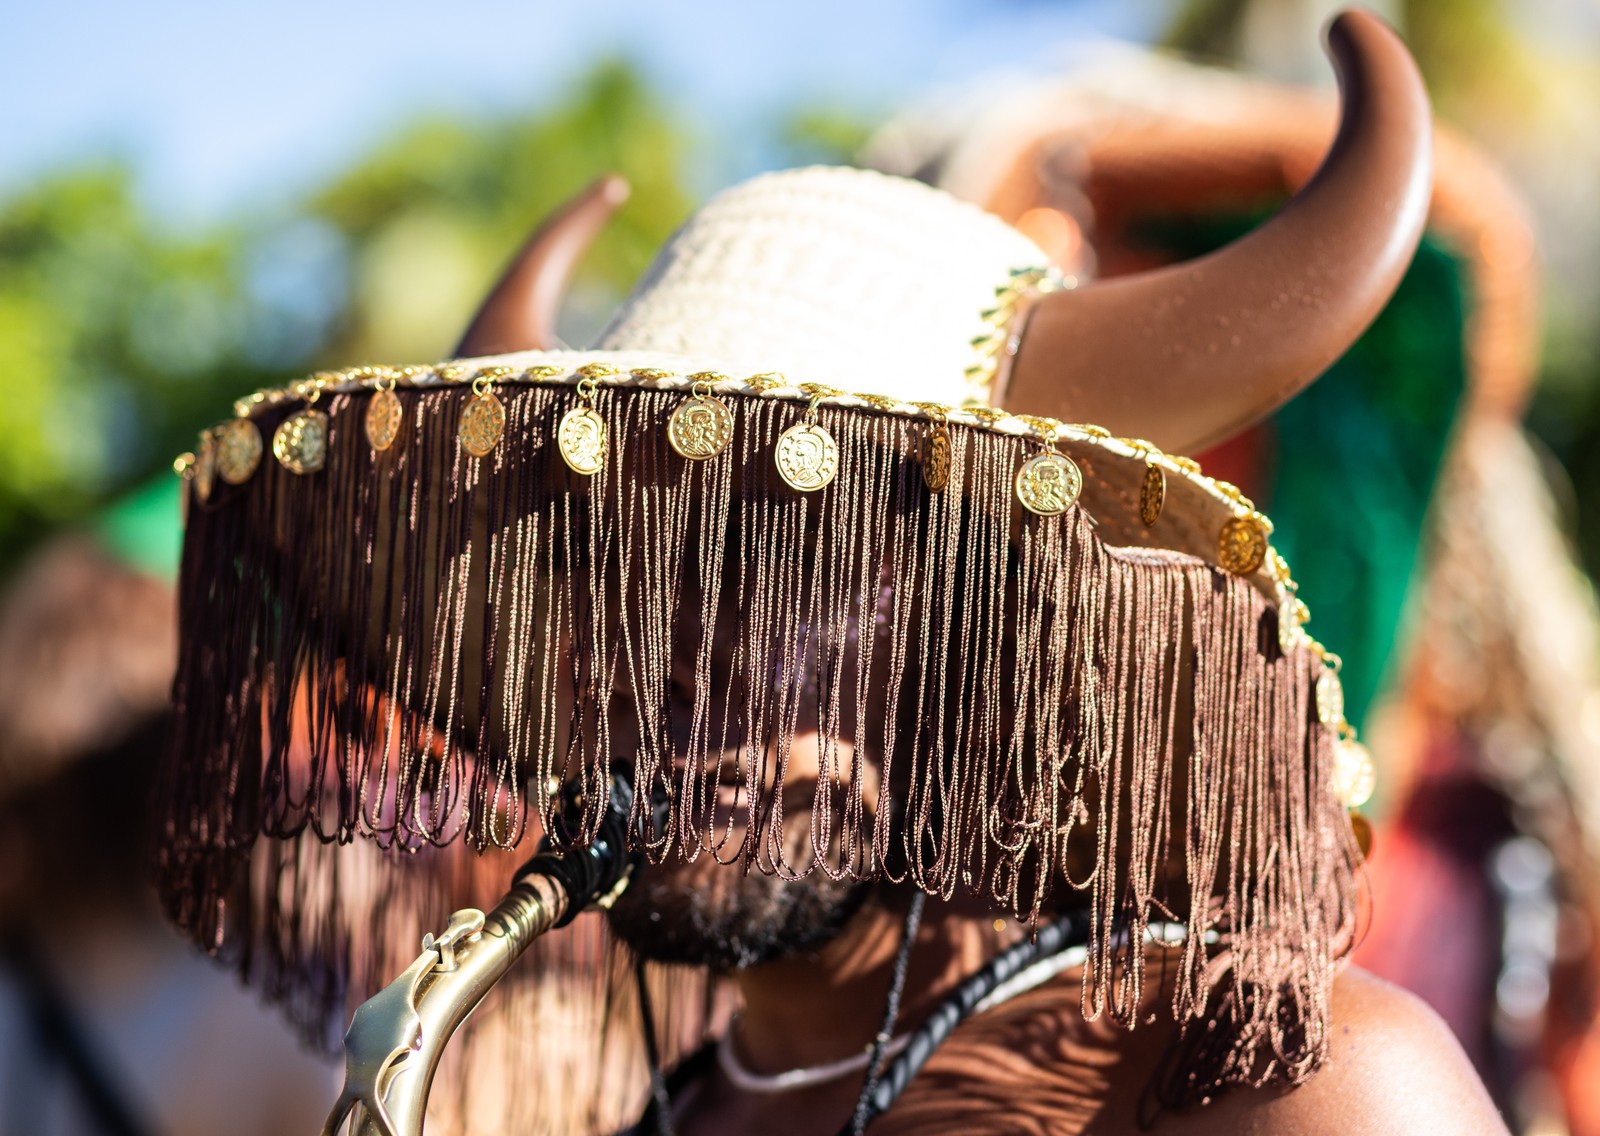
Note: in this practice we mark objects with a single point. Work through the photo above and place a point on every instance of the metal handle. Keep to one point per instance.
(397, 1037)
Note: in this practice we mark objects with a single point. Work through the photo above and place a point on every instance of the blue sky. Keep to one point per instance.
(225, 106)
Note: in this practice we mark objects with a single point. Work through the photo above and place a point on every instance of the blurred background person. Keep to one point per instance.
(109, 1023)
(1427, 516)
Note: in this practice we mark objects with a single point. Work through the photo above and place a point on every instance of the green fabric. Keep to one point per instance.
(1352, 461)
(144, 529)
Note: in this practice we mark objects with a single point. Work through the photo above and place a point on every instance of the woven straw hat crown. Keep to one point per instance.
(839, 276)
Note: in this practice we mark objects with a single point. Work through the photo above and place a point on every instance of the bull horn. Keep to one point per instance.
(520, 311)
(1190, 354)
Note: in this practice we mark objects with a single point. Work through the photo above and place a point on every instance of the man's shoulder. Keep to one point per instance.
(1393, 1067)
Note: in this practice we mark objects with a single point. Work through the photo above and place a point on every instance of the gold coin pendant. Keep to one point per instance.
(807, 457)
(300, 443)
(483, 420)
(1152, 494)
(239, 450)
(383, 419)
(1242, 545)
(582, 440)
(1049, 484)
(936, 458)
(1330, 698)
(700, 428)
(1354, 776)
(1361, 829)
(205, 466)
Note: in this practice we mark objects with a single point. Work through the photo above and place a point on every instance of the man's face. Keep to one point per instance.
(728, 917)
(721, 914)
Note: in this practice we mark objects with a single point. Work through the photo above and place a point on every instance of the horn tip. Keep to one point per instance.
(1350, 24)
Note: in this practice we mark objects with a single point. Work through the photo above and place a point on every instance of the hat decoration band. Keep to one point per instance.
(301, 457)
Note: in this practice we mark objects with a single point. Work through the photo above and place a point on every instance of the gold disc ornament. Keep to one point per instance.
(1354, 775)
(205, 465)
(1152, 494)
(384, 414)
(1361, 829)
(700, 428)
(936, 458)
(807, 457)
(483, 421)
(239, 450)
(1242, 545)
(1049, 483)
(582, 440)
(300, 443)
(1330, 698)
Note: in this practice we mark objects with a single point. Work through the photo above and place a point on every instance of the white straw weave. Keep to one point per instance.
(843, 277)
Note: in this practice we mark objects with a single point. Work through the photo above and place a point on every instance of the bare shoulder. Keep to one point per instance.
(1393, 1067)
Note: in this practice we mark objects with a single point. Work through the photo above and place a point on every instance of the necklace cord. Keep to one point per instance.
(660, 1100)
(879, 1093)
(891, 1011)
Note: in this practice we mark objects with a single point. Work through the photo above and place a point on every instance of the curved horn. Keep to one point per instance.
(1189, 354)
(520, 311)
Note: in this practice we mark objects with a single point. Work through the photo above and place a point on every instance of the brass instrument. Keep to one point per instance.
(398, 1036)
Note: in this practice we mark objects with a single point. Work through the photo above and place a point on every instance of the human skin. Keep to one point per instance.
(1033, 1064)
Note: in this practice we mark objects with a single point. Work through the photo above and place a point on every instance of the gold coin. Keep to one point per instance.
(1242, 545)
(1330, 698)
(1361, 828)
(483, 420)
(205, 465)
(582, 440)
(1049, 484)
(700, 428)
(384, 413)
(1152, 494)
(1354, 776)
(936, 458)
(300, 443)
(807, 457)
(239, 450)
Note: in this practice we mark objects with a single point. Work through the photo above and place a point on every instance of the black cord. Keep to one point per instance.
(891, 1011)
(1051, 939)
(660, 1100)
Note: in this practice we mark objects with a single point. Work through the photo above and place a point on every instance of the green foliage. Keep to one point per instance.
(121, 337)
(1206, 29)
(115, 338)
(824, 136)
(432, 214)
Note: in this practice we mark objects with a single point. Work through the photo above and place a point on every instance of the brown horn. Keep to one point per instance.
(1189, 354)
(520, 312)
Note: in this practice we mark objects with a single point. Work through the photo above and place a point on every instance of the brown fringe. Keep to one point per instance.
(1007, 706)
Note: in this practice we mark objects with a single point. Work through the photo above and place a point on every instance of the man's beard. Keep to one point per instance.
(725, 918)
